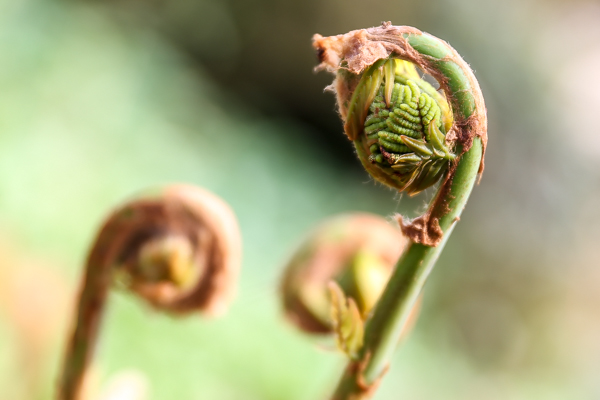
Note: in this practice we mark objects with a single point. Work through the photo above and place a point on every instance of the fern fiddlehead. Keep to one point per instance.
(426, 139)
(178, 249)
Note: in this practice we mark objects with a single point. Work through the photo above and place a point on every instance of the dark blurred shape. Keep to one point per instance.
(260, 51)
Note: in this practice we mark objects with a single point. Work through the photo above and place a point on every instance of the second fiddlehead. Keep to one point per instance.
(178, 249)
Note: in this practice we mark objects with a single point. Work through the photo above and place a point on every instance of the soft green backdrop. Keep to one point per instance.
(100, 101)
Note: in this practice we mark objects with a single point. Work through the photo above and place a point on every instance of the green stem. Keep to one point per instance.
(391, 313)
(92, 300)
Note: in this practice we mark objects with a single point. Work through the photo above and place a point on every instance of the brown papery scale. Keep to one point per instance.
(179, 249)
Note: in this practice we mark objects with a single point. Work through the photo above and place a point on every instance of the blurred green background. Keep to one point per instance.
(99, 100)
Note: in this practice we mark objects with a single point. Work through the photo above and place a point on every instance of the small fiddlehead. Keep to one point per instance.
(336, 276)
(356, 250)
(178, 249)
(422, 142)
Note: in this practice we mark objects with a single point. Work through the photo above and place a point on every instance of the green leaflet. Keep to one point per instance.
(390, 72)
(363, 94)
(437, 139)
(348, 324)
(419, 147)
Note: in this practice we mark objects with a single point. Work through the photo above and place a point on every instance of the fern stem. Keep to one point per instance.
(91, 304)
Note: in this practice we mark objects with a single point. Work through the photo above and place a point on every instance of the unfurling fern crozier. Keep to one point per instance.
(408, 136)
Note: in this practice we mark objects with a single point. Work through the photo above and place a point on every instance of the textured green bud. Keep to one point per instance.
(398, 123)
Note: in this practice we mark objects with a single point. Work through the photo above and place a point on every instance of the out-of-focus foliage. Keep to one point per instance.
(98, 101)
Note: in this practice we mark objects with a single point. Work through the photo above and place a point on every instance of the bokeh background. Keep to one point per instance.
(99, 100)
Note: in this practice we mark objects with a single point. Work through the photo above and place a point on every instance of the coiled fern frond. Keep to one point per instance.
(177, 248)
